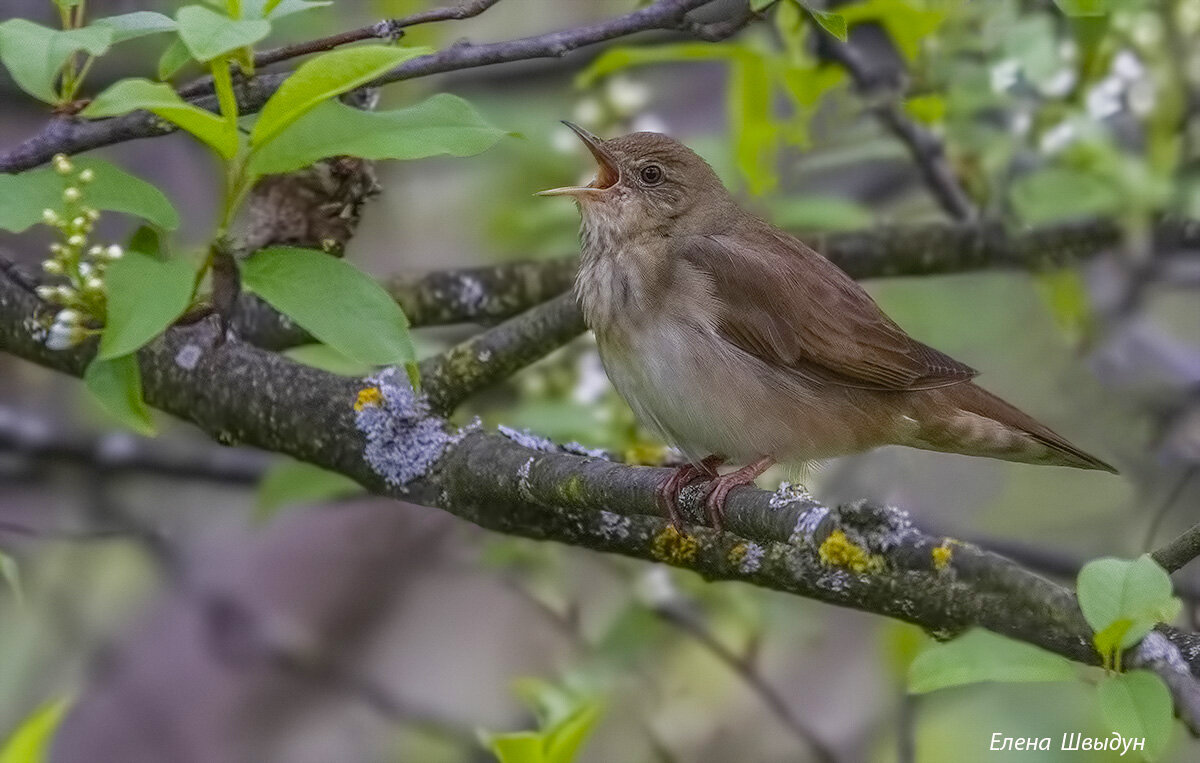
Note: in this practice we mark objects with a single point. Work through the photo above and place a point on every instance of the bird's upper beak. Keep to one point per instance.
(607, 175)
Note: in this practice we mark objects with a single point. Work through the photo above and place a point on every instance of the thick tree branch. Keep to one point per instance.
(377, 432)
(71, 135)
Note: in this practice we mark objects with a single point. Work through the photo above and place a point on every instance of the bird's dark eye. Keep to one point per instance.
(652, 174)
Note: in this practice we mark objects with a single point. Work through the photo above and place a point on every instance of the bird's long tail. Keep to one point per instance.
(982, 424)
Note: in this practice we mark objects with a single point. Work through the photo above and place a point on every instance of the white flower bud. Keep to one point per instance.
(114, 252)
(49, 216)
(87, 176)
(91, 214)
(85, 269)
(94, 284)
(76, 241)
(65, 293)
(67, 317)
(79, 223)
(96, 251)
(62, 165)
(72, 194)
(46, 293)
(63, 337)
(53, 267)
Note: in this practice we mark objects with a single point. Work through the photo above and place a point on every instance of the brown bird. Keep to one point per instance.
(738, 343)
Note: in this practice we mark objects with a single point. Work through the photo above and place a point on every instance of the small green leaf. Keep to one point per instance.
(129, 26)
(443, 124)
(565, 738)
(907, 23)
(1111, 590)
(30, 742)
(293, 482)
(27, 194)
(139, 93)
(332, 300)
(1137, 704)
(820, 213)
(1058, 193)
(117, 385)
(11, 572)
(326, 358)
(834, 23)
(1065, 293)
(929, 109)
(34, 54)
(145, 295)
(173, 59)
(980, 655)
(754, 135)
(758, 6)
(208, 34)
(1083, 7)
(518, 747)
(322, 78)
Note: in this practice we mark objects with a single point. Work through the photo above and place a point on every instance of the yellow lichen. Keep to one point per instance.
(673, 547)
(839, 551)
(737, 553)
(368, 396)
(942, 555)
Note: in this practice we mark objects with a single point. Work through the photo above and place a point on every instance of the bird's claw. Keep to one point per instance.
(669, 489)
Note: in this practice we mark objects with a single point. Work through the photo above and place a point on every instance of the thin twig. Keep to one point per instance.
(388, 29)
(1183, 549)
(927, 150)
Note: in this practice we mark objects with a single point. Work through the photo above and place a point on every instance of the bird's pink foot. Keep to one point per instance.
(670, 488)
(719, 488)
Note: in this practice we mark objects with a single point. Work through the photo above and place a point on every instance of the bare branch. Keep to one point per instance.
(1174, 555)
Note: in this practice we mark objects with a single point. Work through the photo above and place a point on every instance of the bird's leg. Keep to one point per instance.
(718, 490)
(670, 488)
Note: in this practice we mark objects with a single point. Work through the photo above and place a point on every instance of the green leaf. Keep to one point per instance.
(11, 572)
(1083, 7)
(834, 23)
(820, 213)
(173, 59)
(980, 655)
(322, 78)
(1137, 704)
(929, 109)
(117, 385)
(617, 59)
(1066, 295)
(443, 124)
(326, 358)
(145, 296)
(1059, 193)
(277, 9)
(158, 97)
(332, 300)
(567, 736)
(754, 134)
(129, 26)
(292, 482)
(1112, 590)
(24, 196)
(208, 34)
(30, 742)
(759, 6)
(518, 747)
(34, 54)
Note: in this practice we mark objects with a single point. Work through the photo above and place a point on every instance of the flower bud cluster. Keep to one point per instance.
(79, 264)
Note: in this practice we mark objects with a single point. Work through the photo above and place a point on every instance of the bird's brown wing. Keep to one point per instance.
(788, 305)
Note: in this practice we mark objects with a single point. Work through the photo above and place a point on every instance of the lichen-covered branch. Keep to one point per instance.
(70, 135)
(378, 432)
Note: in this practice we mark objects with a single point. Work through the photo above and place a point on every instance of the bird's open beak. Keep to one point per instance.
(607, 173)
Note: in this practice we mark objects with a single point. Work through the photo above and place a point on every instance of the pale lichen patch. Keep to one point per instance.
(188, 356)
(747, 556)
(614, 526)
(523, 486)
(527, 439)
(404, 440)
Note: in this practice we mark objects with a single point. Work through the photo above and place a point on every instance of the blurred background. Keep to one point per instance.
(145, 577)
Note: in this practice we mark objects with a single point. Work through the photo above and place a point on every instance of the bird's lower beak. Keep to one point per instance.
(607, 173)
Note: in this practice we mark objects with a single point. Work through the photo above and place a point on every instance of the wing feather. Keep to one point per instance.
(785, 303)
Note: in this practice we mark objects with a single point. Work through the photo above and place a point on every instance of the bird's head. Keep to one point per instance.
(645, 181)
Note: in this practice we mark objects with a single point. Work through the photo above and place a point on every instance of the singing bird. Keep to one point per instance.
(737, 343)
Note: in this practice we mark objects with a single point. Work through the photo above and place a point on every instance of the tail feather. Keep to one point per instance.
(986, 425)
